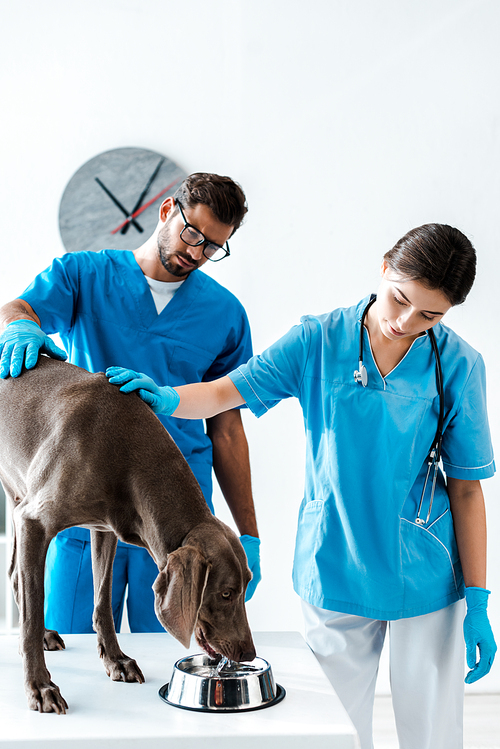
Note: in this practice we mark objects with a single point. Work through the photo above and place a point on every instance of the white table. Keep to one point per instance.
(104, 714)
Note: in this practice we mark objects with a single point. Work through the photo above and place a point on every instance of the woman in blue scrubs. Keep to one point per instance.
(373, 551)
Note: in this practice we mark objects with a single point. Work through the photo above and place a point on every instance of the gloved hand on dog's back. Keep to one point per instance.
(162, 400)
(21, 343)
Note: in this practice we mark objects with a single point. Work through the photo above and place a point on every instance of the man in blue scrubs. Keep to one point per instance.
(155, 310)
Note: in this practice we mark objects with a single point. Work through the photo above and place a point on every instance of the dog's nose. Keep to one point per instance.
(248, 655)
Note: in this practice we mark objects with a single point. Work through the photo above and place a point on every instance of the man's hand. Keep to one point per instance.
(252, 550)
(162, 400)
(20, 343)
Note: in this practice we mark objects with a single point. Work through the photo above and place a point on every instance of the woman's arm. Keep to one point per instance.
(202, 400)
(469, 520)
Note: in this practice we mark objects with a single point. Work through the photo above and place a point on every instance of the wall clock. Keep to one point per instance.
(112, 201)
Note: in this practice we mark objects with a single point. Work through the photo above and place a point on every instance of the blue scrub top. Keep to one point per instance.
(359, 549)
(102, 307)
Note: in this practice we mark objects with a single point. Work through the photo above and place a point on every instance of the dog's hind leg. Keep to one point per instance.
(32, 542)
(13, 572)
(51, 639)
(117, 665)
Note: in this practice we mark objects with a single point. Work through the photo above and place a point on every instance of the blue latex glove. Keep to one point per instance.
(251, 544)
(162, 400)
(478, 634)
(20, 343)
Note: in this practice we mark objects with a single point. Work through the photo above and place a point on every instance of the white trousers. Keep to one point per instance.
(426, 671)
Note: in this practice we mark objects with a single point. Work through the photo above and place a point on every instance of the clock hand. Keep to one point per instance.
(143, 195)
(150, 202)
(117, 203)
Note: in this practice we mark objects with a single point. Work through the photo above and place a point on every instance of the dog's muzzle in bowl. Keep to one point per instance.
(209, 685)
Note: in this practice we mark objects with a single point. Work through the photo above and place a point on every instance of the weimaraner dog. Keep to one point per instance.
(74, 450)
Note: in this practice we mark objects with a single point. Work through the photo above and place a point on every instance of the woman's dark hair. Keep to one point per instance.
(439, 257)
(222, 195)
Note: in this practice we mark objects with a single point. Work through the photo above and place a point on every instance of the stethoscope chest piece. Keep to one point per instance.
(361, 375)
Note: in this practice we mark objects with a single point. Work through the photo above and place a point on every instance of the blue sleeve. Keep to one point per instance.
(275, 374)
(467, 450)
(237, 349)
(53, 294)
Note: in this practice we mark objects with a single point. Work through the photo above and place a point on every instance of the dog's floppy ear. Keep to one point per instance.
(179, 592)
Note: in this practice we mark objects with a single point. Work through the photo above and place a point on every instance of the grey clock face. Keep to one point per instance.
(108, 189)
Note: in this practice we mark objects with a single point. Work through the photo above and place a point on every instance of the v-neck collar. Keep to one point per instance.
(141, 293)
(415, 344)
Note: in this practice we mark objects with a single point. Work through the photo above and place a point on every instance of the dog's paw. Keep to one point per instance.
(46, 698)
(52, 640)
(123, 669)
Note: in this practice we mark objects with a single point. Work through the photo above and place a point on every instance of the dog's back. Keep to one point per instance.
(74, 435)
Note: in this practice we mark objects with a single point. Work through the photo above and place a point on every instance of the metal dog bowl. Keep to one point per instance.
(202, 683)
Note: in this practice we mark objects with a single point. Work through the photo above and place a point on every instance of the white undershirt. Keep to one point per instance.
(162, 291)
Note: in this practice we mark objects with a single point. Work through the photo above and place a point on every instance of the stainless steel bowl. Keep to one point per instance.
(201, 683)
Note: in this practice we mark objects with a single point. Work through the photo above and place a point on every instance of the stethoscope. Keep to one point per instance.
(434, 456)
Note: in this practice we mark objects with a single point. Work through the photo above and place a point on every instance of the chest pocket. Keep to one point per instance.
(189, 363)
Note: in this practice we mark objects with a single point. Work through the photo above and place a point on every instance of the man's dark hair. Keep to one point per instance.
(439, 257)
(222, 195)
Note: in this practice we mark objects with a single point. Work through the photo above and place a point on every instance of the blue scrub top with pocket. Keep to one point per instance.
(359, 549)
(102, 308)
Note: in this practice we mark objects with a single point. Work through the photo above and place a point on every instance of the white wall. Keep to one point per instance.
(347, 123)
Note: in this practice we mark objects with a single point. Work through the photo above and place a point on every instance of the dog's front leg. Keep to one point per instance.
(117, 665)
(32, 542)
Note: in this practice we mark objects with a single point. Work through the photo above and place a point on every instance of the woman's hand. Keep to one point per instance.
(478, 634)
(162, 400)
(199, 400)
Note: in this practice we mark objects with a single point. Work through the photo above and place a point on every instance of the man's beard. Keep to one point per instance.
(166, 256)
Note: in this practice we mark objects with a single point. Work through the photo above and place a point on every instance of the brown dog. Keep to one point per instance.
(74, 450)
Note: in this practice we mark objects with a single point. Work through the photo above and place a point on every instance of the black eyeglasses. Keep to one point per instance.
(193, 237)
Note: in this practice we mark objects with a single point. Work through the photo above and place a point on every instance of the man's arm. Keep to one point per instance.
(17, 310)
(232, 468)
